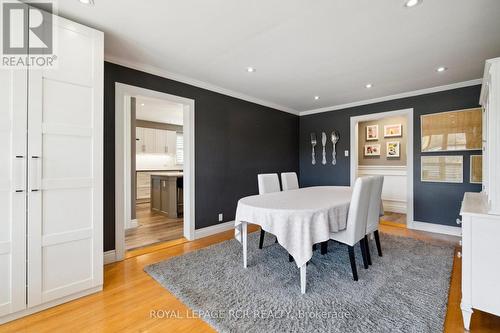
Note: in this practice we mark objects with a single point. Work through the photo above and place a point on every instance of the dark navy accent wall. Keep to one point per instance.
(234, 141)
(437, 203)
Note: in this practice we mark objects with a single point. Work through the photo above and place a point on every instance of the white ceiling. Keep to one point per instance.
(160, 111)
(300, 48)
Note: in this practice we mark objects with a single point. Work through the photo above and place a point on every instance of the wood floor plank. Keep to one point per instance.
(154, 228)
(130, 295)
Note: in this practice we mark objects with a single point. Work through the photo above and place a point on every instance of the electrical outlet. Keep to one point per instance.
(221, 217)
(346, 153)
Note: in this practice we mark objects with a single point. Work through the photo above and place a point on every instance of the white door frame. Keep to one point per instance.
(409, 152)
(123, 160)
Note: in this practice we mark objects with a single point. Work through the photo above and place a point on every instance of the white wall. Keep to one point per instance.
(394, 192)
(156, 162)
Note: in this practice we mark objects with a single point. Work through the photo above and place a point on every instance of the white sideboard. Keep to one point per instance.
(480, 253)
(481, 212)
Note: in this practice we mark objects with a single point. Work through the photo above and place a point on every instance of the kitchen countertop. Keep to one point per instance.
(168, 174)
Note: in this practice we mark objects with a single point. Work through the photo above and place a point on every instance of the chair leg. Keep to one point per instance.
(368, 250)
(290, 258)
(261, 240)
(352, 258)
(362, 244)
(377, 241)
(324, 248)
(276, 240)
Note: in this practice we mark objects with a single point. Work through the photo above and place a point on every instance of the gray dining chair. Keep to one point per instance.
(289, 181)
(355, 231)
(268, 183)
(375, 210)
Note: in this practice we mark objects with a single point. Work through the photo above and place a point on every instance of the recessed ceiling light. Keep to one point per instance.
(441, 69)
(368, 85)
(250, 69)
(412, 3)
(142, 104)
(87, 2)
(316, 98)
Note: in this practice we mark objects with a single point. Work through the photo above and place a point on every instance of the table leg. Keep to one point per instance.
(244, 234)
(303, 278)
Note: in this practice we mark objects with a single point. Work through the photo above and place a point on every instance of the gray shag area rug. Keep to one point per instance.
(406, 290)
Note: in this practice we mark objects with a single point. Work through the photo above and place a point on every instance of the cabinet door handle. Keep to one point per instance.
(35, 174)
(19, 174)
(459, 221)
(459, 254)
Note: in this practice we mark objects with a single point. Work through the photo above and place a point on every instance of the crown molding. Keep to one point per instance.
(392, 97)
(193, 82)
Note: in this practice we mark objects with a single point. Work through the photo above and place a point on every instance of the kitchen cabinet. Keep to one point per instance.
(167, 193)
(155, 141)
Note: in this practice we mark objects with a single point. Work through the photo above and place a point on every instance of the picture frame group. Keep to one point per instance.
(393, 148)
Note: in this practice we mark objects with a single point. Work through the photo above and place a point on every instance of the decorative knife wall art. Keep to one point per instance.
(334, 138)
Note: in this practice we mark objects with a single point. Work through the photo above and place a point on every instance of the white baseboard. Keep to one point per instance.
(132, 224)
(436, 228)
(38, 308)
(109, 257)
(395, 206)
(214, 229)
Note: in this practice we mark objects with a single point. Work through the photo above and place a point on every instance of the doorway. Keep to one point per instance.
(382, 144)
(154, 168)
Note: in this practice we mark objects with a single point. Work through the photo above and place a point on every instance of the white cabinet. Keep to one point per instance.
(155, 141)
(51, 138)
(490, 100)
(480, 250)
(481, 212)
(143, 186)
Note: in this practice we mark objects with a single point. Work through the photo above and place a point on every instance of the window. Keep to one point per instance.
(179, 149)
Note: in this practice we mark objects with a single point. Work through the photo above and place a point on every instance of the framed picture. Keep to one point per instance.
(476, 169)
(372, 150)
(371, 132)
(392, 131)
(393, 149)
(442, 169)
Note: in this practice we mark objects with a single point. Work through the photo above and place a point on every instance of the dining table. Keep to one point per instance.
(298, 218)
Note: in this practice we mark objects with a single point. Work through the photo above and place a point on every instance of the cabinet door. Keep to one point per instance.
(65, 140)
(161, 142)
(171, 142)
(140, 146)
(149, 141)
(13, 96)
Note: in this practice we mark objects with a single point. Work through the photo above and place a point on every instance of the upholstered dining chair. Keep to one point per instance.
(355, 231)
(375, 209)
(289, 181)
(268, 183)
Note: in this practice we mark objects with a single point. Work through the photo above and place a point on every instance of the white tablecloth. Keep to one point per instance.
(298, 218)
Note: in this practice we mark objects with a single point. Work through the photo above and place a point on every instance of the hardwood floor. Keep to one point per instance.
(153, 228)
(394, 219)
(130, 295)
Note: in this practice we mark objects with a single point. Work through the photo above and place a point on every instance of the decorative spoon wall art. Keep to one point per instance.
(335, 138)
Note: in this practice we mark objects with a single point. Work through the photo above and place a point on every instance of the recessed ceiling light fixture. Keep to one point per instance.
(87, 2)
(368, 85)
(412, 3)
(250, 69)
(316, 98)
(441, 69)
(142, 104)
